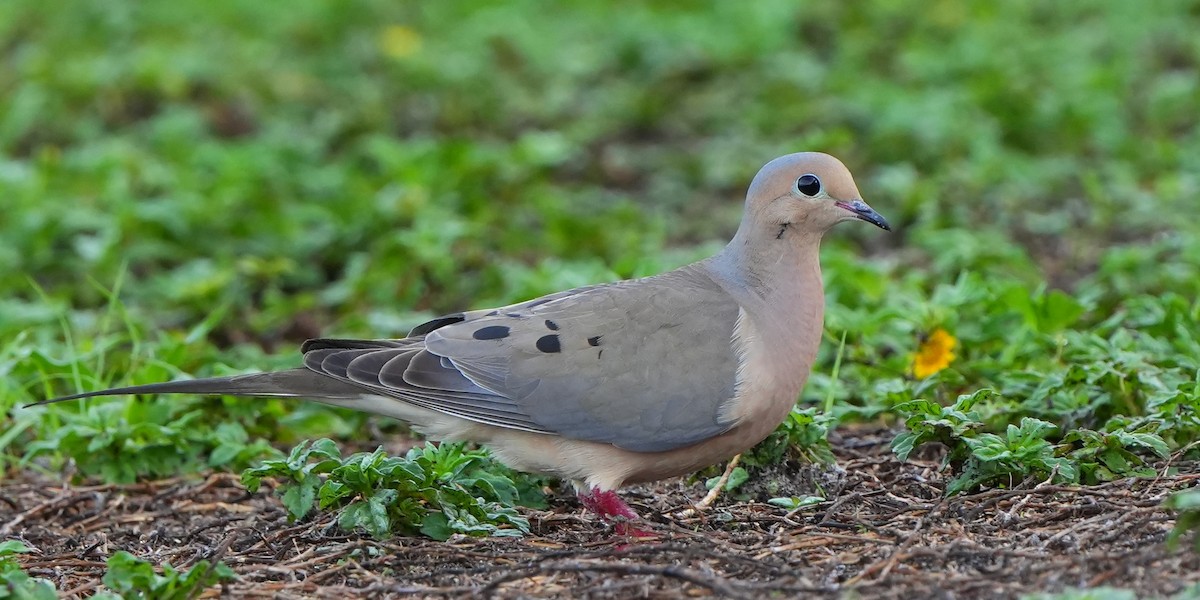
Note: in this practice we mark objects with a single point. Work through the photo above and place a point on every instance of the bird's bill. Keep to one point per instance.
(864, 212)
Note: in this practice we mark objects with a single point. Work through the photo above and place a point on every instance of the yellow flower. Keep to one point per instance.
(936, 353)
(400, 41)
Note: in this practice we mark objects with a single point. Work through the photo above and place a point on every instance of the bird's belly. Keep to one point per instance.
(608, 467)
(757, 425)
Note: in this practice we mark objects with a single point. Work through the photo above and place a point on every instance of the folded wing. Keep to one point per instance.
(645, 365)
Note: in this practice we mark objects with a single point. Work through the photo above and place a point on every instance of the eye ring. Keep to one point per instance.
(808, 184)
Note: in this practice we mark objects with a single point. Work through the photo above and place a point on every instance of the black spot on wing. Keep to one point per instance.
(549, 344)
(594, 341)
(437, 323)
(551, 325)
(491, 332)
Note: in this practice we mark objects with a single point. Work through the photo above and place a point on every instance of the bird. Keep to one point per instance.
(610, 384)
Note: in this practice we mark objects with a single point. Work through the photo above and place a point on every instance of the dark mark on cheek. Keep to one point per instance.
(594, 341)
(781, 230)
(551, 325)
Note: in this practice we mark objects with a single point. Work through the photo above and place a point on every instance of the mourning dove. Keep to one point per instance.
(616, 383)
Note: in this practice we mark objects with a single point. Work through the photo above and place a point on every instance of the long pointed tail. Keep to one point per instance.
(293, 383)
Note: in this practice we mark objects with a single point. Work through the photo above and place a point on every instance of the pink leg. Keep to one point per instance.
(612, 509)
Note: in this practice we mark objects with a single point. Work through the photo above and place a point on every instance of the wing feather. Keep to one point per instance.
(646, 365)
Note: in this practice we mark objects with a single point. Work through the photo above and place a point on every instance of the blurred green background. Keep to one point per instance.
(197, 187)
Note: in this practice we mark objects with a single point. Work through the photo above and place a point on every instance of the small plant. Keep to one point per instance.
(133, 578)
(16, 583)
(928, 421)
(737, 477)
(1100, 593)
(120, 442)
(1021, 452)
(803, 435)
(1187, 520)
(1108, 455)
(1028, 448)
(434, 490)
(795, 502)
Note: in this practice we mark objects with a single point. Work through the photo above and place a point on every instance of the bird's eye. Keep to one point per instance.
(808, 185)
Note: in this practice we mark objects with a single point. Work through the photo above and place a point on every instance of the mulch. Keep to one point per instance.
(886, 531)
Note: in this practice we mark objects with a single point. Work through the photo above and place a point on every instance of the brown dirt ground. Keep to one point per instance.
(887, 531)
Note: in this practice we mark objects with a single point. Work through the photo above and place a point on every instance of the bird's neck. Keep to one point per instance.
(771, 271)
(779, 328)
(778, 284)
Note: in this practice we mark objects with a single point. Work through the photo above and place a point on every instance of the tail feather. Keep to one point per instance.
(293, 383)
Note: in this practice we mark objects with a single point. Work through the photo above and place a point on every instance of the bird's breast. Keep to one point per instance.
(773, 365)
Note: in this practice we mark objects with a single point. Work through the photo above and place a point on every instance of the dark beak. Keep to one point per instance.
(865, 213)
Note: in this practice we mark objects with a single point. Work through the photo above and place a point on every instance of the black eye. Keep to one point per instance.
(809, 185)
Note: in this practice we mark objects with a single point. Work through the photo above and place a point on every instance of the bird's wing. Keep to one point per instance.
(646, 365)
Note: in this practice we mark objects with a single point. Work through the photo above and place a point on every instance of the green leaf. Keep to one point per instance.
(379, 523)
(9, 547)
(1187, 520)
(1057, 311)
(1150, 441)
(18, 585)
(224, 454)
(354, 516)
(737, 477)
(904, 443)
(298, 499)
(435, 525)
(795, 502)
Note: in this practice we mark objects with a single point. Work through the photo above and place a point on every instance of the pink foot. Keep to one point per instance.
(611, 509)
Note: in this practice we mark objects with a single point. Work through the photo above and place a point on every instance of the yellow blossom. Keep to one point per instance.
(400, 41)
(936, 353)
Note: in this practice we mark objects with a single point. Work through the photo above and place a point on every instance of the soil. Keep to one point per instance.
(886, 531)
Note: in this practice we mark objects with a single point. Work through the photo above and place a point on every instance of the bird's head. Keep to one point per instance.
(804, 194)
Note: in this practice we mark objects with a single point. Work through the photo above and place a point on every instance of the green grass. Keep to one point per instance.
(195, 189)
